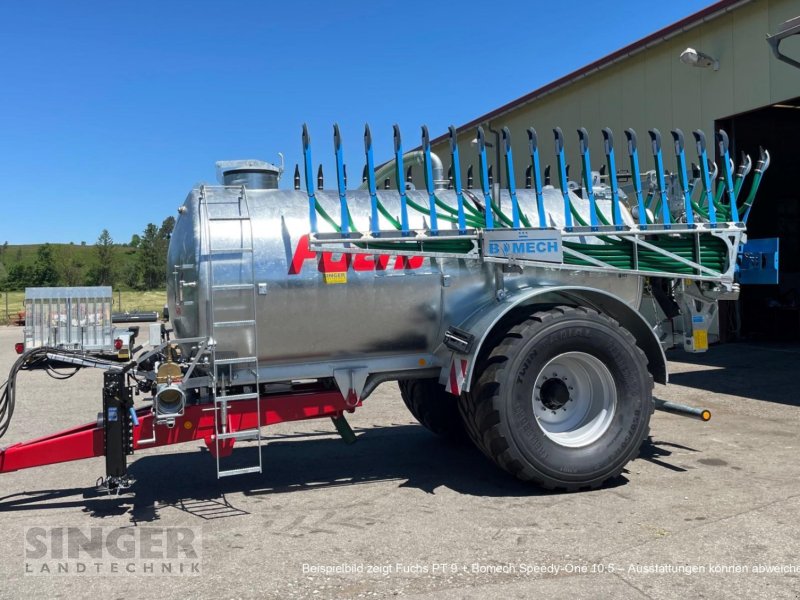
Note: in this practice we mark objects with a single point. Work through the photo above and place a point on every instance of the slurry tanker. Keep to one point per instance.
(530, 321)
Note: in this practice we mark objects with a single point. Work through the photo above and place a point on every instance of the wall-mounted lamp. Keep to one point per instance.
(695, 58)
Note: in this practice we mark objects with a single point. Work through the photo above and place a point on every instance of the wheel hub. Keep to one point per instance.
(574, 399)
(554, 393)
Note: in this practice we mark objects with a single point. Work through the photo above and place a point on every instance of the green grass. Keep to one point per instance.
(15, 303)
(124, 300)
(132, 300)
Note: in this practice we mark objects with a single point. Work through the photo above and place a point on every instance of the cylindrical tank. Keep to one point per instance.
(312, 307)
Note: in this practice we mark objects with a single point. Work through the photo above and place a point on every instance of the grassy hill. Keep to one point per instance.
(74, 261)
(11, 255)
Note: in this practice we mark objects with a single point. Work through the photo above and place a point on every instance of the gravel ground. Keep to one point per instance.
(706, 510)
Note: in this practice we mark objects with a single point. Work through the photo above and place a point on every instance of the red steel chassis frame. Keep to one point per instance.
(197, 422)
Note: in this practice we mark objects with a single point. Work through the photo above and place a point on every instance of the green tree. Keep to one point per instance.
(132, 276)
(19, 277)
(71, 268)
(164, 233)
(151, 266)
(104, 271)
(44, 269)
(135, 241)
(167, 227)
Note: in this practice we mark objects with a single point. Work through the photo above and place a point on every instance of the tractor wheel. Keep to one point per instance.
(564, 399)
(435, 408)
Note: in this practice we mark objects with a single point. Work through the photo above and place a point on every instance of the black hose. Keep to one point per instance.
(8, 394)
(32, 359)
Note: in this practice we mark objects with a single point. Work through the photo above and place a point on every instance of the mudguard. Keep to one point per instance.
(456, 375)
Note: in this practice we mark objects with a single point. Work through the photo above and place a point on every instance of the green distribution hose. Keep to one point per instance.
(421, 209)
(615, 252)
(619, 252)
(453, 246)
(724, 210)
(745, 206)
(474, 220)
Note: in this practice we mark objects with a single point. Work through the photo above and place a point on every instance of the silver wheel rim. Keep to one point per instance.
(574, 399)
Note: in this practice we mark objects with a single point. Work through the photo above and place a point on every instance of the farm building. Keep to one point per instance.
(737, 84)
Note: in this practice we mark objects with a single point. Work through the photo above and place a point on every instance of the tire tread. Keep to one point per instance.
(480, 407)
(434, 407)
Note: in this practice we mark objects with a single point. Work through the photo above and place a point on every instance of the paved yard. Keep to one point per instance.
(702, 511)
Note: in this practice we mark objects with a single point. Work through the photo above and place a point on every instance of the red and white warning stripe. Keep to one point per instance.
(458, 373)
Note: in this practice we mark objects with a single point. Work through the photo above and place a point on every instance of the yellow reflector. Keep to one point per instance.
(701, 339)
(335, 277)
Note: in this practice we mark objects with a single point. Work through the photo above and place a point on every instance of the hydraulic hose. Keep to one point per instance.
(33, 359)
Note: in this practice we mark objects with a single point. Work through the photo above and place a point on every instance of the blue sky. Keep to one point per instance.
(111, 111)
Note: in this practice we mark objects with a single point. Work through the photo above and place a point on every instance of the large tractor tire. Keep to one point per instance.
(564, 399)
(435, 408)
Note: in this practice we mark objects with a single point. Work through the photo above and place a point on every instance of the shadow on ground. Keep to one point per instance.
(759, 372)
(407, 454)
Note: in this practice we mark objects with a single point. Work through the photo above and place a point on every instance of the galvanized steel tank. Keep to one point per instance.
(313, 307)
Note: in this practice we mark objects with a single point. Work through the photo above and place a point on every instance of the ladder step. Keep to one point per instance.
(242, 434)
(226, 200)
(230, 250)
(231, 218)
(243, 471)
(233, 286)
(234, 397)
(244, 323)
(236, 361)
